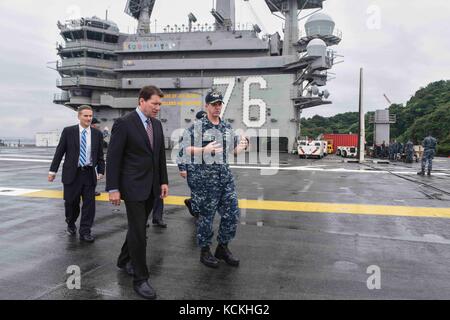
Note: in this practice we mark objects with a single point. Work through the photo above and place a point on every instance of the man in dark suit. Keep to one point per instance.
(137, 173)
(94, 124)
(83, 150)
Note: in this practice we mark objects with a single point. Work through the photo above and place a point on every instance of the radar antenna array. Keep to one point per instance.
(135, 7)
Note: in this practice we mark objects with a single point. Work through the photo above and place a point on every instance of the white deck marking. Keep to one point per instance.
(270, 169)
(14, 192)
(25, 160)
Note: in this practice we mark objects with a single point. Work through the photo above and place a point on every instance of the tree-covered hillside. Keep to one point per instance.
(427, 111)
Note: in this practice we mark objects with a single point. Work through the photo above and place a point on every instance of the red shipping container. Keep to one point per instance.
(342, 140)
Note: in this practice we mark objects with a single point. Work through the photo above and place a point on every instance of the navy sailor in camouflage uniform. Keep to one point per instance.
(429, 149)
(186, 169)
(409, 150)
(207, 145)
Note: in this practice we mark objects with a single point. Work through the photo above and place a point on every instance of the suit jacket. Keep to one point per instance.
(69, 145)
(133, 167)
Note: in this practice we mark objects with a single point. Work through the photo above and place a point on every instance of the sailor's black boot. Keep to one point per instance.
(208, 259)
(421, 173)
(223, 253)
(429, 173)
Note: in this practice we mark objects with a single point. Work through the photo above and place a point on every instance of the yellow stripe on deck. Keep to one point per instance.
(266, 205)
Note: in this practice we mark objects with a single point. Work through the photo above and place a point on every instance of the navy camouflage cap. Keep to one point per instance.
(213, 97)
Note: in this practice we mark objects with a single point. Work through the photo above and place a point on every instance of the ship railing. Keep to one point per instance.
(62, 96)
(91, 44)
(78, 23)
(91, 62)
(381, 119)
(87, 81)
(203, 28)
(320, 31)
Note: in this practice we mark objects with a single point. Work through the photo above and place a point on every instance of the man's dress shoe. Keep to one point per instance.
(87, 238)
(128, 268)
(71, 230)
(159, 223)
(145, 290)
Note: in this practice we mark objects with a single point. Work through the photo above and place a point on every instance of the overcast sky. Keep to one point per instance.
(402, 45)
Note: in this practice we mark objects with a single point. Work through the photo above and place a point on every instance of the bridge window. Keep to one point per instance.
(79, 55)
(111, 38)
(91, 74)
(110, 57)
(94, 55)
(67, 36)
(94, 36)
(78, 34)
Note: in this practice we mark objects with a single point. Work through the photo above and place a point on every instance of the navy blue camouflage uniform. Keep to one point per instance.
(429, 146)
(391, 151)
(185, 165)
(409, 150)
(211, 181)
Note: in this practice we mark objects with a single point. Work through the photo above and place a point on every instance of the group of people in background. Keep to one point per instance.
(136, 172)
(396, 151)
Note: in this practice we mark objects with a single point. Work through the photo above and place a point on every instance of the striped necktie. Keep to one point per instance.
(83, 147)
(150, 131)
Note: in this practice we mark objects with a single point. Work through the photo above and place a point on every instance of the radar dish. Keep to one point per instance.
(320, 17)
(317, 42)
(277, 5)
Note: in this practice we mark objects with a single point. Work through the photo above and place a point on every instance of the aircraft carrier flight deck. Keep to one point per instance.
(322, 238)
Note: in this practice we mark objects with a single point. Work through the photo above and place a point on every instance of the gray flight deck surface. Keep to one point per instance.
(284, 254)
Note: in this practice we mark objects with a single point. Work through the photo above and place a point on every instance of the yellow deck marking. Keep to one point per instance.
(267, 205)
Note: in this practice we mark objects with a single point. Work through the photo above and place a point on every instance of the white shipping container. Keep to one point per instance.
(47, 139)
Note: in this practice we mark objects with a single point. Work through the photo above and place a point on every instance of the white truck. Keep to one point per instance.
(310, 149)
(347, 152)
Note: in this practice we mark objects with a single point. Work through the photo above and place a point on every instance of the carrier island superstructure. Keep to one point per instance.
(267, 80)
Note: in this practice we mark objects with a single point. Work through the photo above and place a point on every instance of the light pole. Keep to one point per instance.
(362, 131)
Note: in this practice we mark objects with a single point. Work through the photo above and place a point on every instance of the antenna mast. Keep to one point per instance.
(141, 10)
(225, 14)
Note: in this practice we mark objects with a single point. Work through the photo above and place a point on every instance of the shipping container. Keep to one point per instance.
(341, 140)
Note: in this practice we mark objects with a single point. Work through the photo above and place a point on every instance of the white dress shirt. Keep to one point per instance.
(88, 145)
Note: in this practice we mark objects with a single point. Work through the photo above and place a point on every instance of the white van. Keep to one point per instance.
(311, 149)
